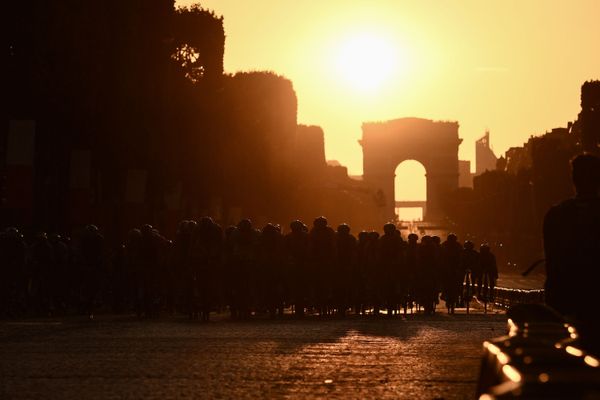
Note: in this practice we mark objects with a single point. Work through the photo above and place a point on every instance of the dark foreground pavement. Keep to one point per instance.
(422, 357)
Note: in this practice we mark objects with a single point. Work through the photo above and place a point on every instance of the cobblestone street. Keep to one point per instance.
(422, 357)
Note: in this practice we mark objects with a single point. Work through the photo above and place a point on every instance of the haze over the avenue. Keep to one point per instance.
(512, 67)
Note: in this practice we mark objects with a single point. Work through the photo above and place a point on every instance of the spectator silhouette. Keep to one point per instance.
(571, 244)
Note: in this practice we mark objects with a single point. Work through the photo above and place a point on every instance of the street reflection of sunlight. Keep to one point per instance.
(388, 359)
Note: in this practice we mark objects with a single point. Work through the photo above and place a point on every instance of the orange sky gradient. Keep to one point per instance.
(513, 67)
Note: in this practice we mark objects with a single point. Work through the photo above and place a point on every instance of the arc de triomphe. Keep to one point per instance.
(433, 143)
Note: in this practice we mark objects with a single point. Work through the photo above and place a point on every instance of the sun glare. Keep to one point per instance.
(366, 61)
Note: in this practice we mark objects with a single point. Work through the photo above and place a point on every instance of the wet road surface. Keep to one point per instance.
(421, 357)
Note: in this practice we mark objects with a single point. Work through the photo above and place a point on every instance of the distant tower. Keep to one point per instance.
(485, 159)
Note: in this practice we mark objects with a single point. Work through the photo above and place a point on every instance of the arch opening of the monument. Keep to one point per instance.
(410, 190)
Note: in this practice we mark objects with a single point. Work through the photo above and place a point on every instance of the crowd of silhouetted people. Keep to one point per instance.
(241, 269)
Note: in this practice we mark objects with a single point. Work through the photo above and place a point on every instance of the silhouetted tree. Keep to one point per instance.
(199, 42)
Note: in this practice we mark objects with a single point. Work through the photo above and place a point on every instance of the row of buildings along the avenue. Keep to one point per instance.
(120, 113)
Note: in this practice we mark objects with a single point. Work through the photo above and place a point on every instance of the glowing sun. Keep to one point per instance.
(366, 61)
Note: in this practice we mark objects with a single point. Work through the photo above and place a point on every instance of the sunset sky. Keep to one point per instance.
(513, 67)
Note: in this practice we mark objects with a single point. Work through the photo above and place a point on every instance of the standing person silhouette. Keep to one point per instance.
(571, 245)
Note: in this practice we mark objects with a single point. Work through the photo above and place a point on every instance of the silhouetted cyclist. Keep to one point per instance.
(180, 267)
(322, 255)
(451, 271)
(389, 267)
(205, 263)
(270, 270)
(245, 249)
(12, 272)
(296, 249)
(373, 296)
(489, 274)
(91, 264)
(135, 269)
(412, 266)
(359, 276)
(346, 247)
(470, 267)
(227, 278)
(41, 262)
(60, 273)
(427, 275)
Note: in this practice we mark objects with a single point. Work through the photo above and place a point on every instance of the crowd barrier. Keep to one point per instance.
(507, 297)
